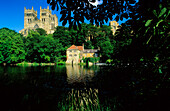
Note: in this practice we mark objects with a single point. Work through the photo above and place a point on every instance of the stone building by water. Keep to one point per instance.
(47, 21)
(76, 53)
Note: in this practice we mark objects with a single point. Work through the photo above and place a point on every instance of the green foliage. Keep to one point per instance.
(74, 15)
(88, 45)
(41, 31)
(106, 50)
(11, 46)
(109, 61)
(63, 36)
(91, 59)
(148, 36)
(42, 48)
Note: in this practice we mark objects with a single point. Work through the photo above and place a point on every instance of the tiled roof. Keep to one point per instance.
(80, 47)
(73, 47)
(76, 47)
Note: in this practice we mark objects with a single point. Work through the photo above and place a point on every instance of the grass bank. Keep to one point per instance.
(39, 64)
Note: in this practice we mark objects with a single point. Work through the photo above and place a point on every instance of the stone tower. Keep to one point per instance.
(47, 20)
(114, 25)
(30, 15)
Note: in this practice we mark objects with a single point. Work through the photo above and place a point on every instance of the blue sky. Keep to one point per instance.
(12, 12)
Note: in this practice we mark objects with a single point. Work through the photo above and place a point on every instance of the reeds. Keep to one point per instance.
(82, 100)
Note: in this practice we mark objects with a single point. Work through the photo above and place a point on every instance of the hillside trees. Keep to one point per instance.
(11, 46)
(63, 36)
(42, 48)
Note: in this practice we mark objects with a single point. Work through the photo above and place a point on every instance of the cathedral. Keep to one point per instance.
(47, 21)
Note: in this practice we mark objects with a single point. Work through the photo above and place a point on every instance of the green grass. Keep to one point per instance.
(61, 63)
(23, 64)
(34, 64)
(82, 64)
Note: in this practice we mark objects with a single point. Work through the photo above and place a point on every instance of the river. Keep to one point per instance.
(58, 88)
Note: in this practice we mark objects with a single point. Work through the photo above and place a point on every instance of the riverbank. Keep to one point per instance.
(34, 64)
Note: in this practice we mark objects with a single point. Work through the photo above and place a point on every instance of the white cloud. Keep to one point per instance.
(97, 2)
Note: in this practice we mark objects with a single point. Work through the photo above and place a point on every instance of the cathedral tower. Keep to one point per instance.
(47, 20)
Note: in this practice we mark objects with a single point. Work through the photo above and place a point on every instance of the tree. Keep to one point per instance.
(42, 48)
(88, 45)
(63, 35)
(11, 46)
(41, 31)
(106, 50)
(76, 11)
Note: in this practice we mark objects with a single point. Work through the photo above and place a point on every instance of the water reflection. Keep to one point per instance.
(77, 73)
(81, 100)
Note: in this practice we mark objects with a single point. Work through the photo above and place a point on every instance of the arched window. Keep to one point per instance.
(43, 19)
(36, 26)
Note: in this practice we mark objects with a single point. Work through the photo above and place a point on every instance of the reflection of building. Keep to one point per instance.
(47, 21)
(76, 53)
(114, 25)
(77, 73)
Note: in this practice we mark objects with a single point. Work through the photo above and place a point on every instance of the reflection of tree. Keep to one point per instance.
(78, 73)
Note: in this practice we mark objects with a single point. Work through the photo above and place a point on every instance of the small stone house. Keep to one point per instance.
(76, 53)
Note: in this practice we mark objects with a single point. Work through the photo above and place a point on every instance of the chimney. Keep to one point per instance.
(83, 46)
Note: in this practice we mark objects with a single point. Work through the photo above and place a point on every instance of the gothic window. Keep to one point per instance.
(43, 14)
(43, 19)
(29, 14)
(52, 18)
(35, 18)
(25, 31)
(52, 26)
(29, 20)
(36, 26)
(70, 55)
